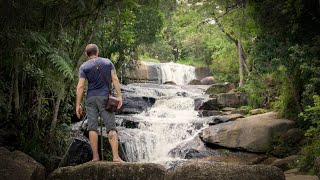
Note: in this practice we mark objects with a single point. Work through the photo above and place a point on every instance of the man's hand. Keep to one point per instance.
(79, 111)
(120, 102)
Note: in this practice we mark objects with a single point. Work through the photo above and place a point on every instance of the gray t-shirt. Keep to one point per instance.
(96, 84)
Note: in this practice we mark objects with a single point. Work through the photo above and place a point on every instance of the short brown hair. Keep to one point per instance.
(91, 49)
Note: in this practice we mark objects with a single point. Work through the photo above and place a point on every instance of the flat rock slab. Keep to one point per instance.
(109, 171)
(301, 177)
(220, 171)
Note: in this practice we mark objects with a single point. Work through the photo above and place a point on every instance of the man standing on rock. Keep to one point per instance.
(97, 95)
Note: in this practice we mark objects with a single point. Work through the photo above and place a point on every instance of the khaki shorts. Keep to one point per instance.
(95, 106)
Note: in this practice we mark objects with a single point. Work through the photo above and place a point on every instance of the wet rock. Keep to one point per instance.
(170, 83)
(80, 152)
(195, 82)
(254, 133)
(192, 149)
(208, 80)
(198, 102)
(231, 99)
(136, 104)
(224, 118)
(17, 165)
(219, 171)
(206, 113)
(109, 171)
(285, 162)
(211, 104)
(220, 88)
(183, 94)
(257, 111)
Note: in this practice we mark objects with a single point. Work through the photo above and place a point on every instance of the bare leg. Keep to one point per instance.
(113, 140)
(93, 136)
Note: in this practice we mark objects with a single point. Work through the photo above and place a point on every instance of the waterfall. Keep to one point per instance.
(178, 73)
(169, 122)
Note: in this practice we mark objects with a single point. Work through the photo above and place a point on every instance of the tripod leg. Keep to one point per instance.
(102, 150)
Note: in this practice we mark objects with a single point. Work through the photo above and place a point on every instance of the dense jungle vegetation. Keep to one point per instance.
(270, 48)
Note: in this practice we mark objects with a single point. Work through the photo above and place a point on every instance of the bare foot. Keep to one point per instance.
(118, 160)
(95, 160)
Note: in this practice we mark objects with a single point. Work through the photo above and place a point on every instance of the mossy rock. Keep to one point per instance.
(220, 88)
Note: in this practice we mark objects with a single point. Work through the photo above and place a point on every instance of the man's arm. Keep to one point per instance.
(80, 90)
(116, 84)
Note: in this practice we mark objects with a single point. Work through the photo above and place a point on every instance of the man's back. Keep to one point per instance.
(96, 83)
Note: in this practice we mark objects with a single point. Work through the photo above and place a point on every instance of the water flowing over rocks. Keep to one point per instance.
(160, 73)
(254, 133)
(219, 171)
(194, 148)
(17, 165)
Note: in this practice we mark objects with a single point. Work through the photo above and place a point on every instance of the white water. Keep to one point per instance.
(178, 73)
(168, 123)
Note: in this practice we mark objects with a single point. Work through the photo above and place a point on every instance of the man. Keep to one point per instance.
(98, 91)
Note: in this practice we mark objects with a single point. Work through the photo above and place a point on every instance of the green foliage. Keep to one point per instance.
(310, 117)
(42, 48)
(255, 89)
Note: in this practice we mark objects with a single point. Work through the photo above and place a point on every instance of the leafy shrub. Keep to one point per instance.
(255, 89)
(311, 116)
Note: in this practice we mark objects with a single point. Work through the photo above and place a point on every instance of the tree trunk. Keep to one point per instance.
(10, 97)
(16, 91)
(241, 60)
(56, 111)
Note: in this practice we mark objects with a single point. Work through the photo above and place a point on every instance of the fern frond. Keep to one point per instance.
(61, 64)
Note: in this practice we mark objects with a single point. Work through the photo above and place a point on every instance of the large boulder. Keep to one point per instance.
(220, 88)
(254, 133)
(17, 165)
(234, 99)
(141, 73)
(210, 104)
(219, 171)
(202, 72)
(317, 166)
(285, 163)
(208, 80)
(109, 171)
(224, 118)
(195, 82)
(136, 104)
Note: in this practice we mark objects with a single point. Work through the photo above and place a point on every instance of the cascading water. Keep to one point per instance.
(178, 73)
(170, 121)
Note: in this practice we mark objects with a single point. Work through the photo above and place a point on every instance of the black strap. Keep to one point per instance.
(105, 79)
